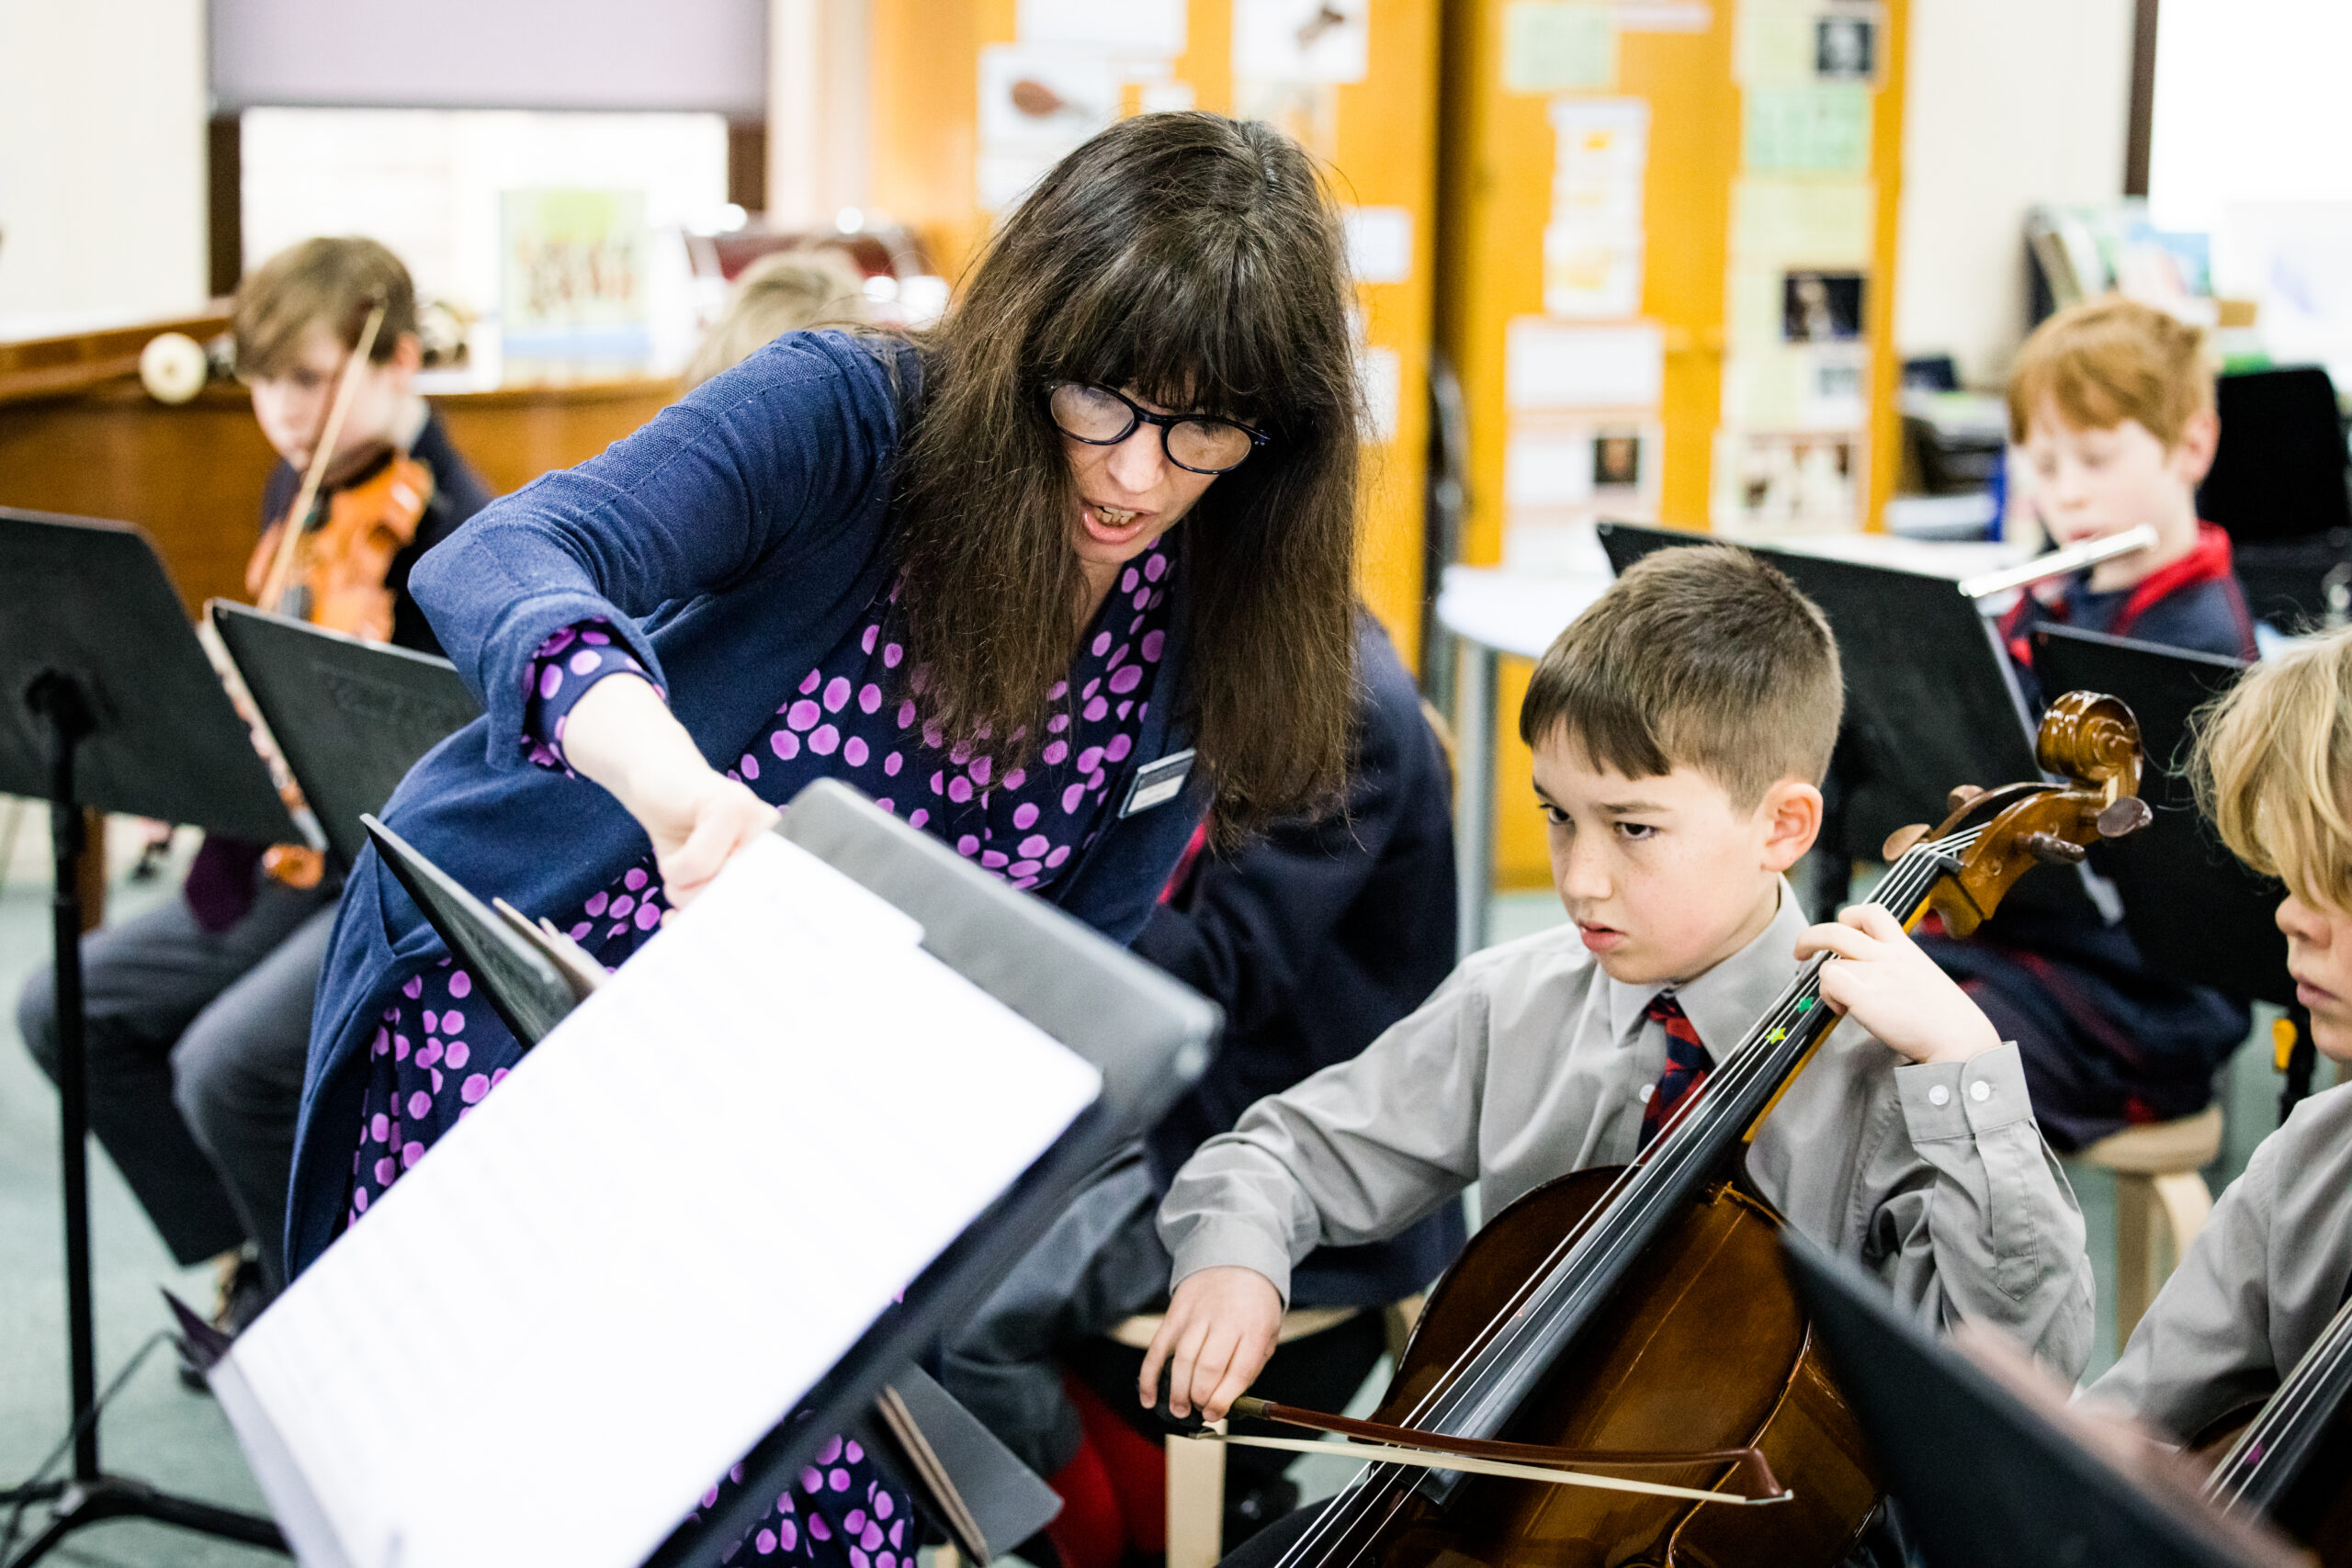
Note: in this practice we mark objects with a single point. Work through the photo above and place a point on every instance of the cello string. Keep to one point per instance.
(2296, 1402)
(1913, 877)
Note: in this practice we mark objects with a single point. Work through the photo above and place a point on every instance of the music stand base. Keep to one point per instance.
(85, 1503)
(91, 1497)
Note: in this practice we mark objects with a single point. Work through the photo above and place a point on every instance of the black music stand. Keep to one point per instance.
(2194, 909)
(1982, 1478)
(1147, 1035)
(351, 717)
(110, 702)
(976, 1486)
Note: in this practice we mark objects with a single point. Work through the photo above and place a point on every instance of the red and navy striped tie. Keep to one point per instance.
(1687, 1064)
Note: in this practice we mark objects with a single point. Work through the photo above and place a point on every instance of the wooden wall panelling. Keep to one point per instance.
(192, 476)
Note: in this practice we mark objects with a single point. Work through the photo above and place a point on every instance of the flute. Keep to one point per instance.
(2058, 563)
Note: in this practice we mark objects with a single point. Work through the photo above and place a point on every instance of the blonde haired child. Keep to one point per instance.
(2274, 770)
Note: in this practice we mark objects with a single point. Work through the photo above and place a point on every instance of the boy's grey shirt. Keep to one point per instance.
(1530, 1063)
(2260, 1281)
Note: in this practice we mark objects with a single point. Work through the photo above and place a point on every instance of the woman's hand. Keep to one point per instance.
(1218, 1331)
(1883, 980)
(623, 735)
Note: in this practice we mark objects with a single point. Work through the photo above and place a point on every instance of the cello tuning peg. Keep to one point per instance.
(2052, 850)
(1901, 839)
(1960, 795)
(2128, 815)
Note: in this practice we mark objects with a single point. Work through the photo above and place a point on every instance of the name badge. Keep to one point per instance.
(1157, 784)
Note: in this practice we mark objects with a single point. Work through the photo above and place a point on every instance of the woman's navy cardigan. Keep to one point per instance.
(733, 539)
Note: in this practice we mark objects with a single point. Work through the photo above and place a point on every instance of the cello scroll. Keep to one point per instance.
(2091, 739)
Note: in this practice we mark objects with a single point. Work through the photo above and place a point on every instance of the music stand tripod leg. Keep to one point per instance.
(91, 1496)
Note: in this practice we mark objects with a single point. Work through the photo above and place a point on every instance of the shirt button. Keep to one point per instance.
(1644, 1093)
(1939, 1095)
(1980, 1091)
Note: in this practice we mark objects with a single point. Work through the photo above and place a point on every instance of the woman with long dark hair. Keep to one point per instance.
(1102, 516)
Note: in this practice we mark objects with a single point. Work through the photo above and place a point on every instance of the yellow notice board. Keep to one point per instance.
(1666, 256)
(973, 98)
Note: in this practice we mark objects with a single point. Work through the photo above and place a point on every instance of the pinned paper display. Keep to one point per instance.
(1592, 247)
(1780, 482)
(1380, 243)
(1380, 376)
(1302, 41)
(1550, 364)
(1149, 28)
(1798, 43)
(1816, 130)
(1553, 46)
(1036, 105)
(1611, 464)
(1821, 223)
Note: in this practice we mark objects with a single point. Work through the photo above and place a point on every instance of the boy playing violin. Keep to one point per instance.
(1681, 728)
(199, 1009)
(2268, 1271)
(2111, 402)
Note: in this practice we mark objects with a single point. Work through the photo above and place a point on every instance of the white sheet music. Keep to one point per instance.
(609, 1281)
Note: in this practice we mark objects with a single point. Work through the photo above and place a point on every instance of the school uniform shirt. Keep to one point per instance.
(2259, 1283)
(1529, 1064)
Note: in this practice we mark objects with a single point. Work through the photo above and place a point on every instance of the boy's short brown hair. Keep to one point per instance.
(1700, 656)
(336, 281)
(2104, 361)
(2273, 769)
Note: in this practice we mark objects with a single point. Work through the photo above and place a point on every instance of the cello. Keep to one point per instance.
(2288, 1460)
(1692, 1362)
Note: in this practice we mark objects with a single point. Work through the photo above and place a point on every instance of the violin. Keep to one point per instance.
(1694, 1368)
(326, 559)
(2287, 1457)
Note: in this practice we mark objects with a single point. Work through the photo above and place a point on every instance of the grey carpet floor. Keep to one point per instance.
(155, 1429)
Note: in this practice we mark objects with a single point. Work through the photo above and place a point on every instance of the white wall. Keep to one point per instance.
(819, 57)
(2007, 103)
(102, 171)
(2250, 106)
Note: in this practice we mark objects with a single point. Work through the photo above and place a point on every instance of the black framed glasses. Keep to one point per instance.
(1100, 416)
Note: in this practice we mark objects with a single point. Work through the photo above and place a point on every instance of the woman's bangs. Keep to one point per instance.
(1186, 336)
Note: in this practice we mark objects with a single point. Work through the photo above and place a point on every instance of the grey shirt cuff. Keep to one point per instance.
(1213, 1241)
(1961, 1099)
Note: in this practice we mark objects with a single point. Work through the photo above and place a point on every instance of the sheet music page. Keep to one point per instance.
(612, 1277)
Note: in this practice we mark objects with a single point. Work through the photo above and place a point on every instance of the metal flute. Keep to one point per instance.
(2058, 563)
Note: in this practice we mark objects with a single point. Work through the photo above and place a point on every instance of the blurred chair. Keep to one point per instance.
(2157, 1182)
(2277, 487)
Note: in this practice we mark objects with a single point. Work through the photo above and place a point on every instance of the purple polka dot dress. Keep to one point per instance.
(855, 716)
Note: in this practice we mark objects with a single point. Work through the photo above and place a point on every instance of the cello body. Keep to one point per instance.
(1705, 1348)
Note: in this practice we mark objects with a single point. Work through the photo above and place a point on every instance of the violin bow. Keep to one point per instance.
(281, 564)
